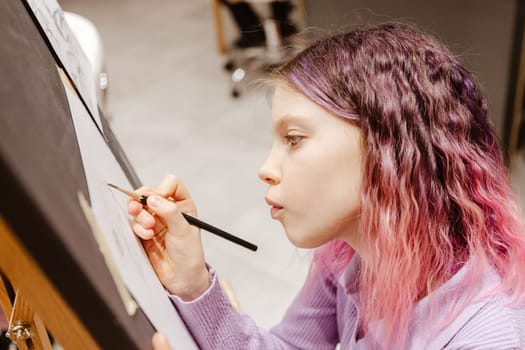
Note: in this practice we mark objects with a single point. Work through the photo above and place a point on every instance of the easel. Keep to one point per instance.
(31, 287)
(26, 329)
(47, 249)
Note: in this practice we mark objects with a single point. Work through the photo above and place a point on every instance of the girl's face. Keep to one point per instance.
(314, 171)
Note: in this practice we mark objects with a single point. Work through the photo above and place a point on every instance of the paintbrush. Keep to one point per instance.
(192, 221)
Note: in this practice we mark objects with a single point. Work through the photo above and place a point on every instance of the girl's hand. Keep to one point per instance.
(174, 247)
(159, 342)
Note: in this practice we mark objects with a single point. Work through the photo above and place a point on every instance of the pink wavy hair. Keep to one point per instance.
(435, 191)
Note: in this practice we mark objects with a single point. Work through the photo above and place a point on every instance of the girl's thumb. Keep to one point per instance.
(156, 203)
(166, 209)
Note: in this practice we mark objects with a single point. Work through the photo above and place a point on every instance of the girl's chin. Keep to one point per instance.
(300, 241)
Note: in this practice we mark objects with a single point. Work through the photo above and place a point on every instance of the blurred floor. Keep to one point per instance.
(170, 107)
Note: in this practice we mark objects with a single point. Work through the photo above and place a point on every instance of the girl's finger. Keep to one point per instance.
(145, 190)
(146, 219)
(134, 207)
(160, 342)
(172, 187)
(169, 212)
(142, 232)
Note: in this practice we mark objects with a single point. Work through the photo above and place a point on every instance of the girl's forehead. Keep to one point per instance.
(282, 91)
(290, 103)
(285, 98)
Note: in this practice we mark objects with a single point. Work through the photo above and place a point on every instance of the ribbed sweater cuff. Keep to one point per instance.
(209, 317)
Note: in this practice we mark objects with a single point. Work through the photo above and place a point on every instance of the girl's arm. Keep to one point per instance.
(309, 323)
(177, 257)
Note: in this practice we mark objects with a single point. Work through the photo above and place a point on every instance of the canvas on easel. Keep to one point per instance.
(48, 247)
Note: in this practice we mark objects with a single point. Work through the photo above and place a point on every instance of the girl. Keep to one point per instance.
(385, 161)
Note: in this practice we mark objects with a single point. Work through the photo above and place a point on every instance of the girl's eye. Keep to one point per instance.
(293, 140)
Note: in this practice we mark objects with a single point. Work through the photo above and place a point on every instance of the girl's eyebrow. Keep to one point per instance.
(289, 119)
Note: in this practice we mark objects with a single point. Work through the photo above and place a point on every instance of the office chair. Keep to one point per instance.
(245, 64)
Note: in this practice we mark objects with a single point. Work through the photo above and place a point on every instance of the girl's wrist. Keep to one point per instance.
(193, 286)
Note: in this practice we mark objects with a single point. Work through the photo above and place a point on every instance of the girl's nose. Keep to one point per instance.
(269, 171)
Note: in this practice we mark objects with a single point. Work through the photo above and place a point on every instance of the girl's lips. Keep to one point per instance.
(275, 208)
(274, 211)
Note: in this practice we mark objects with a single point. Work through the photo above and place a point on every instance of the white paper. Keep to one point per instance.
(51, 19)
(110, 209)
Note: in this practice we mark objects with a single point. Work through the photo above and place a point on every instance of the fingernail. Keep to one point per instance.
(154, 201)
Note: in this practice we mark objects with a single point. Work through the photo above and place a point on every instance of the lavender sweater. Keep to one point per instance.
(326, 312)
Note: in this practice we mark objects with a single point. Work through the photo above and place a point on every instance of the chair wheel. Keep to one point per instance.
(235, 93)
(229, 66)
